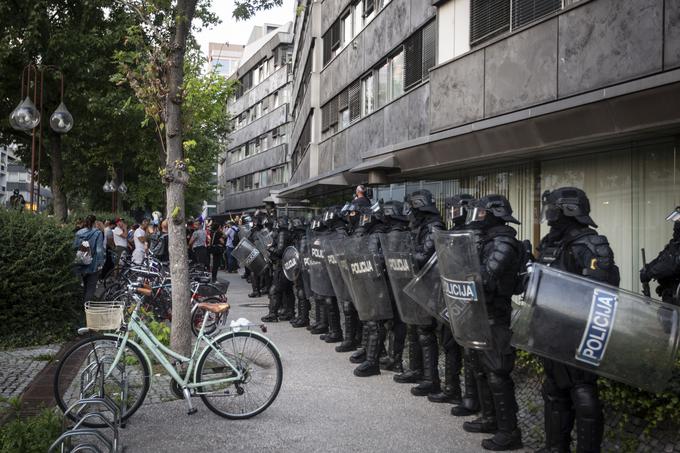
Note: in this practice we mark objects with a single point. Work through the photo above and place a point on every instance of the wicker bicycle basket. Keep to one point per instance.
(104, 315)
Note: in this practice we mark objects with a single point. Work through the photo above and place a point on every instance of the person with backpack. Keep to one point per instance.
(231, 242)
(90, 255)
(216, 248)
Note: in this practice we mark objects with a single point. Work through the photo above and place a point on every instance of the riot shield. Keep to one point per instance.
(598, 328)
(318, 275)
(243, 231)
(340, 287)
(397, 248)
(339, 250)
(367, 278)
(462, 288)
(304, 258)
(263, 240)
(291, 263)
(249, 256)
(426, 290)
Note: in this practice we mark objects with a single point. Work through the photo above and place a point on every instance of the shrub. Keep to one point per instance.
(31, 435)
(39, 294)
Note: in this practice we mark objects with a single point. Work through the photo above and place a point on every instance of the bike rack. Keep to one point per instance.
(81, 437)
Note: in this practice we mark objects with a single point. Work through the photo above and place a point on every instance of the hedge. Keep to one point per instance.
(39, 294)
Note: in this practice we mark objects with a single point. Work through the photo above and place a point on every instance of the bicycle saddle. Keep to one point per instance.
(214, 308)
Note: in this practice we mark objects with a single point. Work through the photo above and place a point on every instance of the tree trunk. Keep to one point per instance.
(58, 195)
(176, 179)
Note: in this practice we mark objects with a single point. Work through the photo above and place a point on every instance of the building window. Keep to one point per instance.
(397, 75)
(367, 91)
(358, 17)
(354, 101)
(383, 83)
(490, 18)
(347, 35)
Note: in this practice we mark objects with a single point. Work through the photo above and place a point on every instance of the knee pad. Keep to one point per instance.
(499, 381)
(586, 401)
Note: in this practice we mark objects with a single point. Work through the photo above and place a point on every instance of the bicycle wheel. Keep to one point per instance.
(198, 315)
(80, 374)
(260, 364)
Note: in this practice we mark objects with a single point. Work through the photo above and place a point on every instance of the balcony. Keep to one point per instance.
(263, 160)
(273, 82)
(263, 124)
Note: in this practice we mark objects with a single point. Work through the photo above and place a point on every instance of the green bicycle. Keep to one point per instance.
(237, 374)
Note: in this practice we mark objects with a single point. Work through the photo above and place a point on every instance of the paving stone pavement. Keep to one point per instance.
(18, 367)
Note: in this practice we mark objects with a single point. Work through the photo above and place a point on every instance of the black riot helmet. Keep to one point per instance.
(333, 215)
(566, 201)
(490, 210)
(457, 208)
(394, 210)
(371, 215)
(352, 214)
(421, 201)
(282, 223)
(297, 224)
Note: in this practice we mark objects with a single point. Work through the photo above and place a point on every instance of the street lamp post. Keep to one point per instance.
(27, 117)
(114, 190)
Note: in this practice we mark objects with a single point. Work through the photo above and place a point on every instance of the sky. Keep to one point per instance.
(235, 32)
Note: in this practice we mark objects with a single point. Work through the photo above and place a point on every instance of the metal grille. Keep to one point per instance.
(343, 100)
(355, 100)
(429, 48)
(333, 112)
(526, 11)
(488, 18)
(414, 59)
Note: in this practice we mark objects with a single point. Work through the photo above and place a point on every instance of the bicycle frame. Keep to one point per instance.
(159, 351)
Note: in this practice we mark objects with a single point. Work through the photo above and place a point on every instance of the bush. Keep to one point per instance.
(31, 435)
(39, 293)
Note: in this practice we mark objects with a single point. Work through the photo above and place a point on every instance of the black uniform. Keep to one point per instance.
(499, 256)
(570, 393)
(281, 289)
(665, 269)
(301, 284)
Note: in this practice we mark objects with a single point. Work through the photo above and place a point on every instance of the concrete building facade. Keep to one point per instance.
(225, 57)
(504, 96)
(256, 159)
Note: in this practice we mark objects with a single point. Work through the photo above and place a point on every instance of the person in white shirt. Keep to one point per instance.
(140, 239)
(120, 239)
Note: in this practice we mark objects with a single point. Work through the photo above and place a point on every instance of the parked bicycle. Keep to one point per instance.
(237, 374)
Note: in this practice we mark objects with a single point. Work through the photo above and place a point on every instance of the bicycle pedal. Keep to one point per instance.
(192, 411)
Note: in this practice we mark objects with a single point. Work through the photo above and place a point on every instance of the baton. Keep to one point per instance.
(645, 286)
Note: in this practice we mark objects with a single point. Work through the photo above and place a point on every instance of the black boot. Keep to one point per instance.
(414, 373)
(589, 418)
(508, 436)
(322, 320)
(334, 334)
(430, 382)
(274, 305)
(470, 403)
(359, 356)
(351, 320)
(451, 391)
(370, 366)
(254, 294)
(317, 315)
(487, 422)
(303, 314)
(559, 421)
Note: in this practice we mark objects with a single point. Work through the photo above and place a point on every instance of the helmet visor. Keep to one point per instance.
(550, 213)
(674, 216)
(477, 214)
(365, 219)
(455, 212)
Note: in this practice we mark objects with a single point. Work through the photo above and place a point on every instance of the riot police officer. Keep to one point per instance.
(260, 283)
(573, 245)
(395, 220)
(500, 262)
(336, 221)
(301, 284)
(280, 291)
(425, 220)
(456, 213)
(665, 268)
(374, 329)
(320, 324)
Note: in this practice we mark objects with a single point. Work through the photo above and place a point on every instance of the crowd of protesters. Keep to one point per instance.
(104, 243)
